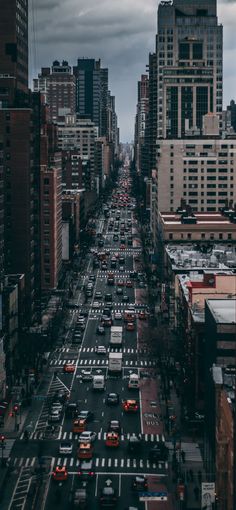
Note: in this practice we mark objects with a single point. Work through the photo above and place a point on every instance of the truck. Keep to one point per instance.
(98, 383)
(116, 337)
(115, 363)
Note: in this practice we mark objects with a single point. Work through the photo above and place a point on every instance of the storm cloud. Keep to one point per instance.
(121, 33)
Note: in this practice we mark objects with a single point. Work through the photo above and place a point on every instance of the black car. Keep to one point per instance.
(158, 453)
(112, 399)
(125, 298)
(139, 483)
(86, 415)
(71, 410)
(114, 426)
(134, 444)
(108, 497)
(108, 298)
(100, 243)
(106, 312)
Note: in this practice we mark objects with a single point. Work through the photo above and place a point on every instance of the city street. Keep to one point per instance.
(118, 466)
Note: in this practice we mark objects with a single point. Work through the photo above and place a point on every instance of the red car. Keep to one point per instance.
(69, 368)
(130, 406)
(60, 474)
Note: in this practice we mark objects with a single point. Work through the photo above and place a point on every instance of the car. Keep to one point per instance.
(87, 437)
(119, 290)
(158, 453)
(101, 349)
(139, 483)
(112, 439)
(106, 321)
(61, 396)
(71, 410)
(86, 415)
(122, 247)
(86, 470)
(65, 448)
(130, 326)
(129, 284)
(108, 298)
(106, 312)
(130, 242)
(112, 399)
(60, 474)
(115, 237)
(108, 497)
(142, 315)
(117, 316)
(104, 266)
(113, 264)
(98, 295)
(85, 451)
(100, 243)
(130, 406)
(92, 278)
(56, 406)
(100, 330)
(50, 430)
(134, 443)
(79, 498)
(69, 368)
(55, 415)
(86, 376)
(114, 426)
(96, 304)
(125, 298)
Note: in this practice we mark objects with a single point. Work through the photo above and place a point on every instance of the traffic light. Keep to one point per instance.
(2, 438)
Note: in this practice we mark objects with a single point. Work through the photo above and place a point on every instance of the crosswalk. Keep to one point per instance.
(19, 497)
(102, 362)
(191, 450)
(100, 462)
(146, 438)
(88, 350)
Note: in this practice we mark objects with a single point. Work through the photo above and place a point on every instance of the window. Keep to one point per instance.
(220, 236)
(229, 236)
(170, 236)
(46, 181)
(203, 235)
(184, 51)
(189, 235)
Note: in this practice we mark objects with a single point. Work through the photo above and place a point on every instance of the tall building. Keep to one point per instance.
(92, 91)
(189, 66)
(13, 52)
(58, 87)
(140, 120)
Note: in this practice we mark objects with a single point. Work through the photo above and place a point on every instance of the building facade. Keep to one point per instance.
(58, 87)
(189, 65)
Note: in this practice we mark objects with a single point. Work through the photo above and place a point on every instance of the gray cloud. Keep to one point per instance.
(121, 33)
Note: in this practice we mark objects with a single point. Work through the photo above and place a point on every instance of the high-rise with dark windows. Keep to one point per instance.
(13, 52)
(189, 66)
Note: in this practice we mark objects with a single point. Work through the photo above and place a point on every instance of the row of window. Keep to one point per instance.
(212, 236)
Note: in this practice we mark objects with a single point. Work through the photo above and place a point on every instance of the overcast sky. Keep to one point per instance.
(121, 33)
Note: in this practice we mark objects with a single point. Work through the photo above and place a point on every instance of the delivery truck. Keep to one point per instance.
(115, 363)
(116, 337)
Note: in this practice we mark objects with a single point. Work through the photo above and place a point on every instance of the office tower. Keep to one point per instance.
(140, 121)
(151, 126)
(13, 52)
(58, 87)
(189, 66)
(92, 91)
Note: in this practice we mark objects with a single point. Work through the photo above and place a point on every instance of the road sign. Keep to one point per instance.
(153, 496)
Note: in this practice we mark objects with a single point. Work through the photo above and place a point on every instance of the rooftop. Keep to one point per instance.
(197, 219)
(192, 257)
(223, 310)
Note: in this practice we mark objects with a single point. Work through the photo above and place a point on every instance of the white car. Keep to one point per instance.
(55, 415)
(96, 304)
(101, 349)
(65, 448)
(118, 316)
(87, 437)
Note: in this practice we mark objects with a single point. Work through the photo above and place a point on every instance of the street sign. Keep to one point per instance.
(208, 495)
(153, 496)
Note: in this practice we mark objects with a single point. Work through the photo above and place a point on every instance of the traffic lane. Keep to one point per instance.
(128, 496)
(66, 492)
(155, 486)
(107, 480)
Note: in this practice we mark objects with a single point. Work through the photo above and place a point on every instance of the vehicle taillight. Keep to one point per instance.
(80, 473)
(91, 473)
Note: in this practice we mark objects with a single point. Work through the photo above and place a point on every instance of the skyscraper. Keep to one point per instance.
(92, 92)
(189, 66)
(13, 51)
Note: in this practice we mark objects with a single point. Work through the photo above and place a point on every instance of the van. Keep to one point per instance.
(133, 383)
(98, 383)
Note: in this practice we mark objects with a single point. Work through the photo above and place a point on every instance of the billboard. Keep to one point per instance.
(208, 495)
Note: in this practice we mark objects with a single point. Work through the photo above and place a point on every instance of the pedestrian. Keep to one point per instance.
(199, 475)
(183, 456)
(196, 491)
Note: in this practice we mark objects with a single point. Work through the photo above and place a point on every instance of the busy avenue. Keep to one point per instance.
(90, 440)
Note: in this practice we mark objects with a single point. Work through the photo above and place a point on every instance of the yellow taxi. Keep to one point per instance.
(85, 451)
(112, 439)
(130, 406)
(79, 426)
(60, 474)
